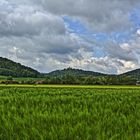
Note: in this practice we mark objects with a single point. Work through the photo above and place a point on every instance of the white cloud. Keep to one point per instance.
(33, 32)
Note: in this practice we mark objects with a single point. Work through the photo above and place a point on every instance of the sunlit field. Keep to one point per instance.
(69, 112)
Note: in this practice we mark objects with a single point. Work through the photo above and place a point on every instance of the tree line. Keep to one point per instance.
(76, 80)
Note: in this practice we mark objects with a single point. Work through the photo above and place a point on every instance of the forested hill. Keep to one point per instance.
(133, 74)
(74, 72)
(10, 68)
(13, 69)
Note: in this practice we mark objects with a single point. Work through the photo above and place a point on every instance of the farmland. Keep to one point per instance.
(69, 112)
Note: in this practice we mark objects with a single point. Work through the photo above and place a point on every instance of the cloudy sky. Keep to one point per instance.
(98, 35)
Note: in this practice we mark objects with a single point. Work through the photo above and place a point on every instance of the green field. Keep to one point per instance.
(69, 112)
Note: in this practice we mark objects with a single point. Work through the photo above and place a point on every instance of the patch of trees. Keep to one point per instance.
(91, 80)
(76, 80)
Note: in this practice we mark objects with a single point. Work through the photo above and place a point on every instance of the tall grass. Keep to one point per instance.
(69, 113)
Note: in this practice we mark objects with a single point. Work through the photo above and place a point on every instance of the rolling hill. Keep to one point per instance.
(74, 72)
(134, 74)
(10, 68)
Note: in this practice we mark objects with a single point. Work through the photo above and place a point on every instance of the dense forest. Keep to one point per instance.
(19, 74)
(10, 68)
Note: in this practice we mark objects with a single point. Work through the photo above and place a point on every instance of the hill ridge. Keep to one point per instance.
(74, 71)
(11, 68)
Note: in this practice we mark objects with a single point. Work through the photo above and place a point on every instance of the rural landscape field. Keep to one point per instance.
(69, 112)
(69, 69)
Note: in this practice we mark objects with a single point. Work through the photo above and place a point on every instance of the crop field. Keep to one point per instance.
(69, 113)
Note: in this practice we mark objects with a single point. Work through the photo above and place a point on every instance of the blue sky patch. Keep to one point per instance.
(78, 28)
(75, 26)
(135, 18)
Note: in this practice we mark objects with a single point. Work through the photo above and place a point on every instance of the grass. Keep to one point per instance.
(28, 79)
(69, 112)
(19, 79)
(2, 78)
(72, 86)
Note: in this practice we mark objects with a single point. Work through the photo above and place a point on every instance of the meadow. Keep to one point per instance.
(69, 112)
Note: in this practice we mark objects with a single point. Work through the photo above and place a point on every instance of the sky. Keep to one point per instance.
(95, 35)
